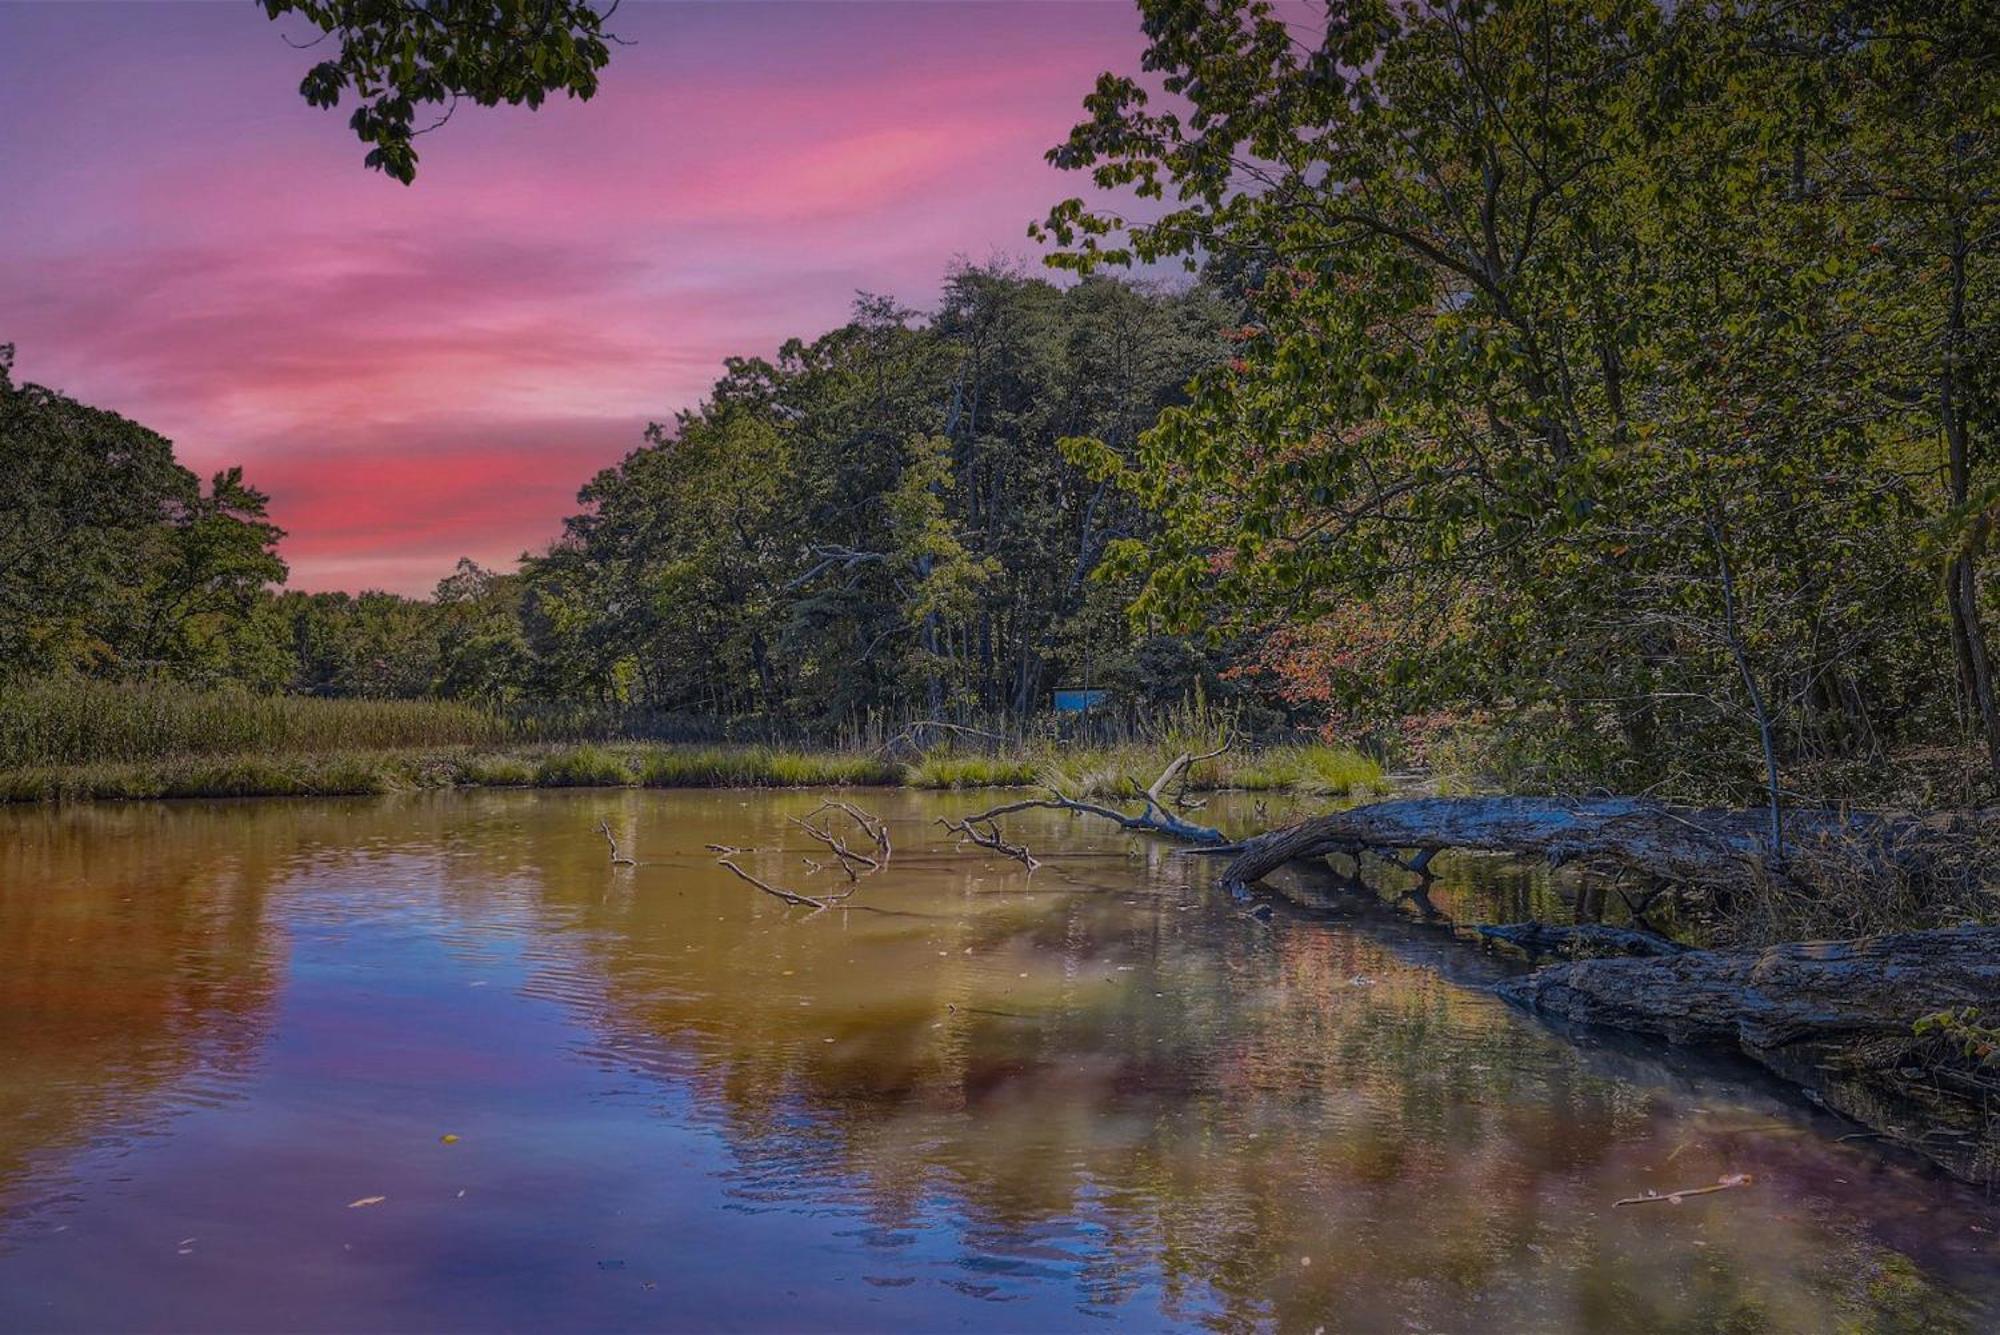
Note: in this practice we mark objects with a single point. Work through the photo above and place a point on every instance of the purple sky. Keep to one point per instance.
(421, 373)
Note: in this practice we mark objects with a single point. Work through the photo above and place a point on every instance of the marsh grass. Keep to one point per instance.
(1121, 771)
(948, 770)
(73, 740)
(76, 722)
(1316, 769)
(583, 767)
(760, 767)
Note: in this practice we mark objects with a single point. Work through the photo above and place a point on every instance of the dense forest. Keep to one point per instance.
(882, 519)
(1600, 387)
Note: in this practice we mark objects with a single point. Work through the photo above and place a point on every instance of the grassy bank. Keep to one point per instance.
(75, 722)
(67, 740)
(1101, 773)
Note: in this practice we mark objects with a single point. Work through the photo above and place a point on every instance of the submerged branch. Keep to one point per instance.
(876, 829)
(618, 859)
(968, 830)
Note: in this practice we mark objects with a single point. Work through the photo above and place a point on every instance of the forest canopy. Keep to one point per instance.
(879, 520)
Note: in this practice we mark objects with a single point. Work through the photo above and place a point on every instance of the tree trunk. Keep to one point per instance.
(1962, 580)
(1685, 846)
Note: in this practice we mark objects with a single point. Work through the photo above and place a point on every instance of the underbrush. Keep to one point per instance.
(1845, 888)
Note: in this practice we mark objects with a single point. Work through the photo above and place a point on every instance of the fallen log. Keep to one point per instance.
(1839, 1018)
(1685, 846)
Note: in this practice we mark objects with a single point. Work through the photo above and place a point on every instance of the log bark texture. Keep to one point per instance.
(1682, 845)
(1836, 1017)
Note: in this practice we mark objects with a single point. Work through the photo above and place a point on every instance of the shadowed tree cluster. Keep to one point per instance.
(1631, 362)
(882, 518)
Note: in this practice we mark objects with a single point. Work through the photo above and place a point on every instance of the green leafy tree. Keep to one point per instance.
(1563, 352)
(399, 57)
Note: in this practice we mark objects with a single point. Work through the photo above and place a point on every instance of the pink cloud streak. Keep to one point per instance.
(419, 374)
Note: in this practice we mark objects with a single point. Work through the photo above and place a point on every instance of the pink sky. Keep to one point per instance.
(421, 373)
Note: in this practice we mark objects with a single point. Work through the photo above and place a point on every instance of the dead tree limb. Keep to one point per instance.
(1157, 818)
(876, 829)
(968, 830)
(833, 557)
(912, 736)
(618, 859)
(846, 856)
(789, 896)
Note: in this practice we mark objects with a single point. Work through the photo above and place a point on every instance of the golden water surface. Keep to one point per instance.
(434, 1063)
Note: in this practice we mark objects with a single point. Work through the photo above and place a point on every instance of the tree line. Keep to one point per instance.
(881, 520)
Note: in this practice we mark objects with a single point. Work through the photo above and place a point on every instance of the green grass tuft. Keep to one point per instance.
(494, 771)
(760, 767)
(973, 771)
(1324, 770)
(583, 767)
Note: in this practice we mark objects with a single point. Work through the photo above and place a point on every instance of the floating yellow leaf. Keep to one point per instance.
(449, 1138)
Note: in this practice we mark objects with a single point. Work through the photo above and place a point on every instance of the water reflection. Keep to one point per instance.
(978, 1098)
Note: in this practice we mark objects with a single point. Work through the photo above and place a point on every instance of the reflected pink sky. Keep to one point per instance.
(422, 373)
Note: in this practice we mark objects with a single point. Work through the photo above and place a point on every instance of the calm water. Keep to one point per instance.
(1098, 1097)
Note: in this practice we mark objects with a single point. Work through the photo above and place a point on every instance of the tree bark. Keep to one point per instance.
(1962, 580)
(1679, 845)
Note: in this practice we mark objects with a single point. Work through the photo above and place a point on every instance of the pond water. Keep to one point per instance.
(434, 1063)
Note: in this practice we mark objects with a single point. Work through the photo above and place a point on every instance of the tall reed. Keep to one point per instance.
(74, 722)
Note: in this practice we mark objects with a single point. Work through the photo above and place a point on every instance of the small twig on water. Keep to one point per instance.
(789, 896)
(1730, 1183)
(617, 859)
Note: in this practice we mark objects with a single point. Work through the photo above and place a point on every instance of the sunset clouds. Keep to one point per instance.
(418, 374)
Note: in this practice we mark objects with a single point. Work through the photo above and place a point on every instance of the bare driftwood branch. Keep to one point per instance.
(968, 830)
(618, 859)
(789, 896)
(847, 857)
(913, 734)
(1731, 1183)
(876, 829)
(1157, 817)
(1589, 940)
